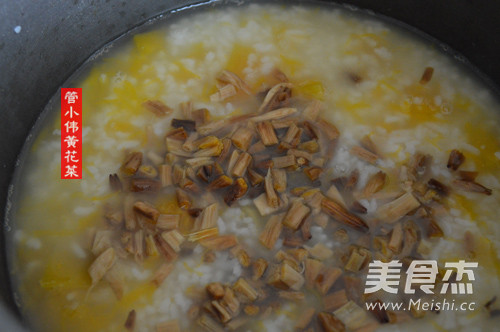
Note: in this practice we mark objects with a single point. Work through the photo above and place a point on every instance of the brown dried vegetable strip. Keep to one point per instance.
(472, 186)
(455, 159)
(342, 215)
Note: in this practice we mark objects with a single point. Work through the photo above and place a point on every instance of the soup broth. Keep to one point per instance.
(243, 166)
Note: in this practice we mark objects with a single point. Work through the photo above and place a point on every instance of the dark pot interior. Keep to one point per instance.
(57, 36)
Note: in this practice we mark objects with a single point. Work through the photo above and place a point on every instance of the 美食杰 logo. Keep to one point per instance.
(421, 273)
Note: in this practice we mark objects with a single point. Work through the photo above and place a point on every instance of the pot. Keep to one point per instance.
(43, 42)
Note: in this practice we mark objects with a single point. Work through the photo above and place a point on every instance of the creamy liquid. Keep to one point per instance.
(317, 49)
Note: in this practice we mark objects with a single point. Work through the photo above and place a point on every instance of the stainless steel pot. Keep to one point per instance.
(43, 42)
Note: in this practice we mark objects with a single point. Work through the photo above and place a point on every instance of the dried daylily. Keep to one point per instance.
(274, 115)
(375, 183)
(175, 147)
(467, 175)
(174, 239)
(139, 245)
(434, 230)
(208, 217)
(358, 259)
(251, 310)
(379, 312)
(275, 95)
(282, 256)
(296, 214)
(304, 318)
(101, 265)
(328, 129)
(211, 127)
(305, 229)
(165, 175)
(220, 242)
(340, 214)
(164, 248)
(242, 255)
(151, 249)
(283, 123)
(200, 116)
(330, 323)
(357, 207)
(254, 177)
(313, 267)
(396, 238)
(410, 232)
(284, 161)
(335, 300)
(236, 191)
(256, 148)
(223, 93)
(188, 125)
(168, 221)
(226, 147)
(271, 196)
(241, 165)
(157, 107)
(199, 161)
(229, 77)
(209, 324)
(334, 194)
(169, 326)
(326, 278)
(243, 287)
(311, 146)
(455, 159)
(132, 163)
(353, 316)
(427, 75)
(115, 183)
(203, 234)
(242, 138)
(162, 273)
(291, 133)
(222, 181)
(144, 185)
(259, 266)
(341, 235)
(264, 208)
(439, 187)
(183, 199)
(320, 251)
(272, 231)
(367, 143)
(398, 208)
(279, 179)
(213, 151)
(286, 275)
(115, 281)
(147, 210)
(215, 290)
(312, 110)
(396, 317)
(130, 322)
(230, 301)
(266, 133)
(114, 217)
(364, 154)
(351, 181)
(291, 295)
(472, 186)
(178, 134)
(313, 172)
